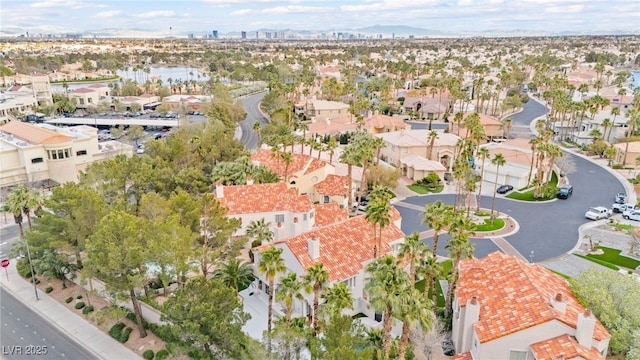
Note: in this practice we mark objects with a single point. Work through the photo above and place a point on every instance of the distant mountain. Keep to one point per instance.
(398, 30)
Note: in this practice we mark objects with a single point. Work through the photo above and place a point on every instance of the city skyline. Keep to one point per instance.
(173, 18)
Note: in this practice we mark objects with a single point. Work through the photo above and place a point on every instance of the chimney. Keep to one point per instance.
(314, 248)
(249, 180)
(558, 303)
(313, 119)
(328, 121)
(470, 317)
(584, 328)
(219, 190)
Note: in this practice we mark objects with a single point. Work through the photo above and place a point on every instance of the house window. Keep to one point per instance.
(350, 282)
(37, 160)
(311, 215)
(517, 355)
(326, 199)
(81, 152)
(280, 218)
(393, 148)
(304, 217)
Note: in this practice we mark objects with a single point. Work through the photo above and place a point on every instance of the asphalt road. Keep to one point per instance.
(26, 335)
(549, 229)
(251, 105)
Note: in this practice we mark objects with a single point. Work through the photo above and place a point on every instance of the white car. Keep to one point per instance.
(632, 215)
(597, 213)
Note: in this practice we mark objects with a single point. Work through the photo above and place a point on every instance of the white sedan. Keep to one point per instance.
(632, 215)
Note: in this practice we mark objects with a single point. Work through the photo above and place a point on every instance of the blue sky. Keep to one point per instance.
(202, 16)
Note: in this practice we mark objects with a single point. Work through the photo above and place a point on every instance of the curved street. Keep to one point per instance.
(251, 105)
(547, 229)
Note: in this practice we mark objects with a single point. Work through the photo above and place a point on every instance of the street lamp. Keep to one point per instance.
(33, 273)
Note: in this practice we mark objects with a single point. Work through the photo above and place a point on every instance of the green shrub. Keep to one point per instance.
(162, 354)
(148, 354)
(35, 280)
(124, 336)
(48, 289)
(131, 316)
(79, 297)
(79, 305)
(116, 330)
(87, 309)
(68, 300)
(23, 268)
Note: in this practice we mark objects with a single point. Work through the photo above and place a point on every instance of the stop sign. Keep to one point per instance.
(4, 263)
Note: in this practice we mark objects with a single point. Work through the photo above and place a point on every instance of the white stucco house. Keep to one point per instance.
(506, 308)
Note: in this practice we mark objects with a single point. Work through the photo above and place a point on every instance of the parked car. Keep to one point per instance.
(503, 189)
(565, 192)
(620, 198)
(597, 213)
(632, 215)
(621, 208)
(448, 348)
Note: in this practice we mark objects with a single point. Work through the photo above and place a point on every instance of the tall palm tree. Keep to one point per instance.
(377, 214)
(290, 288)
(433, 135)
(386, 281)
(431, 271)
(437, 216)
(554, 152)
(335, 299)
(413, 250)
(606, 125)
(483, 154)
(413, 310)
(374, 340)
(271, 264)
(331, 147)
(15, 204)
(257, 127)
(316, 278)
(535, 142)
(498, 160)
(260, 230)
(350, 157)
(235, 274)
(462, 228)
(508, 123)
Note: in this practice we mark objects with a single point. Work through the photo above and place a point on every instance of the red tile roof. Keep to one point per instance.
(300, 162)
(515, 295)
(344, 246)
(380, 121)
(463, 356)
(563, 347)
(33, 134)
(330, 213)
(82, 91)
(260, 198)
(333, 185)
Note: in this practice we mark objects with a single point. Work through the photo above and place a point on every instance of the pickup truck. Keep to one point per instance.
(597, 213)
(620, 208)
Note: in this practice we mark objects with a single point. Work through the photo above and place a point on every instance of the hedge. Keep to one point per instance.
(48, 289)
(117, 333)
(79, 305)
(68, 300)
(162, 354)
(148, 354)
(87, 309)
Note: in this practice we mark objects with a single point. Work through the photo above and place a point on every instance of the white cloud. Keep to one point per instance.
(59, 4)
(108, 14)
(279, 10)
(156, 14)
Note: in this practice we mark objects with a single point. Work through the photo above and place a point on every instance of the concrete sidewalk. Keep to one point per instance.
(74, 325)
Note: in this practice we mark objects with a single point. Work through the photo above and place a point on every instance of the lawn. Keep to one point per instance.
(622, 226)
(598, 261)
(488, 226)
(528, 195)
(612, 256)
(420, 189)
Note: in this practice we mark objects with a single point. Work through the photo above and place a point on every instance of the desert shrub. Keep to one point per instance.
(80, 305)
(79, 297)
(23, 268)
(162, 354)
(124, 336)
(68, 300)
(116, 330)
(87, 309)
(131, 316)
(48, 289)
(148, 354)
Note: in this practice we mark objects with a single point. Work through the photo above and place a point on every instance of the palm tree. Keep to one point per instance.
(430, 270)
(462, 228)
(535, 142)
(458, 117)
(260, 230)
(437, 216)
(386, 280)
(235, 274)
(433, 135)
(412, 310)
(257, 127)
(377, 214)
(271, 264)
(350, 157)
(553, 151)
(15, 203)
(483, 154)
(508, 123)
(316, 277)
(374, 340)
(331, 147)
(290, 288)
(413, 250)
(606, 125)
(51, 263)
(336, 299)
(498, 160)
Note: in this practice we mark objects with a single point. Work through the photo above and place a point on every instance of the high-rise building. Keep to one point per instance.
(190, 36)
(243, 34)
(215, 34)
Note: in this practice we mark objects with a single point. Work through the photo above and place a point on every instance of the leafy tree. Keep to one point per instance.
(613, 298)
(208, 314)
(215, 243)
(51, 263)
(235, 274)
(344, 338)
(117, 255)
